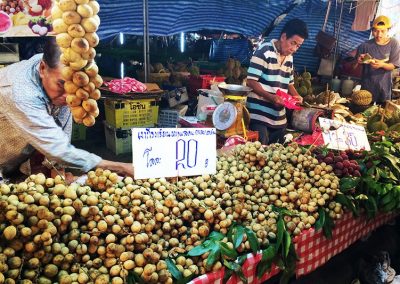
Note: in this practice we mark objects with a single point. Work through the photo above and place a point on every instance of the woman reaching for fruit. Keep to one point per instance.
(34, 116)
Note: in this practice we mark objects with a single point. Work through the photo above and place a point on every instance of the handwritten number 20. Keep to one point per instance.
(186, 153)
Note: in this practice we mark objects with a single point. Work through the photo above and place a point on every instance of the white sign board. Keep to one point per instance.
(343, 136)
(172, 152)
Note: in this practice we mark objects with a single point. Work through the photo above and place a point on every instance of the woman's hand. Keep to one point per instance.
(124, 169)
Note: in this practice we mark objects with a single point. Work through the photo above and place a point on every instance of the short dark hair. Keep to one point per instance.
(51, 53)
(295, 27)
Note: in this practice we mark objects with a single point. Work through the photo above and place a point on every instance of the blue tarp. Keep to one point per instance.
(247, 17)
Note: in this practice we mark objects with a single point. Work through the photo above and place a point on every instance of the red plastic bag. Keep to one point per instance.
(288, 100)
(126, 85)
(315, 139)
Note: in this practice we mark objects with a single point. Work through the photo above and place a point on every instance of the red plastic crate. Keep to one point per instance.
(203, 82)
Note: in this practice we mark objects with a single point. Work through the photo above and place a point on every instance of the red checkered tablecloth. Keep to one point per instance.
(312, 248)
(249, 270)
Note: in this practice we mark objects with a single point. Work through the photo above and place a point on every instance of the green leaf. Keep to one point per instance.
(216, 236)
(288, 212)
(371, 206)
(231, 230)
(346, 202)
(348, 183)
(230, 265)
(253, 240)
(198, 250)
(213, 256)
(280, 263)
(287, 241)
(173, 269)
(227, 275)
(325, 151)
(288, 271)
(134, 278)
(238, 236)
(280, 230)
(241, 259)
(227, 251)
(266, 261)
(328, 226)
(241, 276)
(321, 220)
(393, 162)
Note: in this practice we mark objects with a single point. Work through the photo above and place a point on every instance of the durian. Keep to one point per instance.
(395, 127)
(361, 98)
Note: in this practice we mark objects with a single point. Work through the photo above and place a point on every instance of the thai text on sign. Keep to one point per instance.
(343, 136)
(172, 152)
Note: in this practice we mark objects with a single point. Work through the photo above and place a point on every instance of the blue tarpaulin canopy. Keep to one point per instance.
(247, 17)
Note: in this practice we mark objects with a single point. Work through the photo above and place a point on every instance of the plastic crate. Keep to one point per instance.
(203, 82)
(78, 132)
(168, 118)
(118, 140)
(131, 113)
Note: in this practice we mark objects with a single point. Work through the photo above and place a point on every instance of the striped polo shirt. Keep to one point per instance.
(265, 69)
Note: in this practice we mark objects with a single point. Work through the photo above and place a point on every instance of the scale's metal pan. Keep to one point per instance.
(231, 89)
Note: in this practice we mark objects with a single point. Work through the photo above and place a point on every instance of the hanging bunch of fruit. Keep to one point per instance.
(75, 22)
(303, 85)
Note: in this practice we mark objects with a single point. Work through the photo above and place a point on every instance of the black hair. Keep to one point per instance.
(51, 53)
(295, 27)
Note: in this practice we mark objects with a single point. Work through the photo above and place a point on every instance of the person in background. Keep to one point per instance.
(271, 69)
(34, 117)
(384, 52)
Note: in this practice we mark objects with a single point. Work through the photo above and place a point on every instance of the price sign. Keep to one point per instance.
(343, 136)
(172, 152)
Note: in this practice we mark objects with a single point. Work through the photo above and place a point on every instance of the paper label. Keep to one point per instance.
(343, 136)
(172, 152)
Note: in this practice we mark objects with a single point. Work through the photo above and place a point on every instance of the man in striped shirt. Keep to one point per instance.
(271, 69)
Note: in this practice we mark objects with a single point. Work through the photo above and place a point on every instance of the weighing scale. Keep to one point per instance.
(232, 117)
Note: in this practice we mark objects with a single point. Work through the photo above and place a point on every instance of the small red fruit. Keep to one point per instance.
(339, 165)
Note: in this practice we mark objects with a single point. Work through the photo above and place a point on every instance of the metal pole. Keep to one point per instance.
(328, 10)
(337, 37)
(146, 39)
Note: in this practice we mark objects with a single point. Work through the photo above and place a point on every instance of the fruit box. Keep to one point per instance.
(118, 140)
(128, 113)
(203, 82)
(168, 118)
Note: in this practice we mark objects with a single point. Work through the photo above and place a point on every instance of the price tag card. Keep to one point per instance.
(172, 152)
(343, 136)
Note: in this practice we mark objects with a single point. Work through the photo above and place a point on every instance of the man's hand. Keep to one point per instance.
(278, 101)
(299, 99)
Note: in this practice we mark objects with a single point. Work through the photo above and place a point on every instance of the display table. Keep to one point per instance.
(312, 248)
